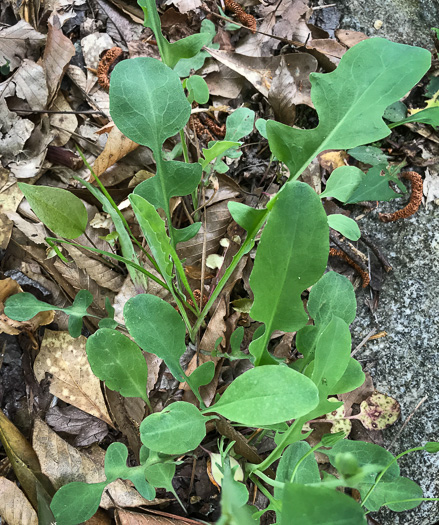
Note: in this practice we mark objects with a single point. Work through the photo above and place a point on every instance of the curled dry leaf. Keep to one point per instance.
(63, 124)
(25, 462)
(9, 287)
(291, 86)
(19, 41)
(72, 380)
(62, 464)
(57, 54)
(87, 428)
(126, 517)
(15, 508)
(261, 70)
(116, 148)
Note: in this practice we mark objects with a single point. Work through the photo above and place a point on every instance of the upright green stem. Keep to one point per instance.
(184, 146)
(245, 248)
(286, 440)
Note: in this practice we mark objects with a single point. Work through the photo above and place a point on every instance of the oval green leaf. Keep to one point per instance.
(267, 395)
(344, 225)
(342, 183)
(147, 101)
(118, 361)
(61, 211)
(157, 328)
(177, 429)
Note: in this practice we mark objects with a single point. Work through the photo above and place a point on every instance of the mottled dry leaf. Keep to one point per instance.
(10, 194)
(126, 517)
(18, 42)
(72, 380)
(260, 70)
(63, 464)
(92, 47)
(332, 159)
(24, 461)
(293, 17)
(57, 54)
(15, 508)
(63, 124)
(34, 231)
(431, 186)
(291, 86)
(116, 148)
(10, 287)
(218, 218)
(328, 52)
(5, 231)
(349, 38)
(98, 271)
(225, 82)
(14, 132)
(30, 85)
(379, 411)
(87, 428)
(186, 5)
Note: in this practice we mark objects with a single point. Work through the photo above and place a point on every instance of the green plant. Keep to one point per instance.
(291, 256)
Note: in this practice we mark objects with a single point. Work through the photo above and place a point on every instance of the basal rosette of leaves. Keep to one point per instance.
(148, 104)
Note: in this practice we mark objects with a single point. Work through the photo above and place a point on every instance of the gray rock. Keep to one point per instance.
(405, 363)
(404, 21)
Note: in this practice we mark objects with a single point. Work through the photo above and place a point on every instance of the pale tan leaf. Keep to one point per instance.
(92, 47)
(63, 124)
(332, 159)
(126, 517)
(116, 148)
(18, 42)
(261, 70)
(291, 86)
(349, 38)
(63, 464)
(14, 132)
(64, 357)
(57, 54)
(10, 194)
(30, 85)
(5, 231)
(34, 231)
(218, 218)
(99, 272)
(15, 508)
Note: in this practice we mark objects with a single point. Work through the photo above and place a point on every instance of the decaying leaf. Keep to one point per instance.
(85, 427)
(25, 463)
(64, 124)
(15, 508)
(10, 287)
(19, 41)
(14, 132)
(116, 148)
(63, 464)
(349, 38)
(261, 70)
(379, 411)
(72, 380)
(57, 54)
(291, 86)
(332, 159)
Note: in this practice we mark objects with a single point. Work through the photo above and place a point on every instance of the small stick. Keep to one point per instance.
(345, 246)
(407, 420)
(377, 252)
(85, 112)
(364, 341)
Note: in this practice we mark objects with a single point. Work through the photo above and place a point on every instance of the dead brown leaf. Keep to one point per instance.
(24, 461)
(116, 148)
(328, 52)
(57, 54)
(65, 359)
(126, 517)
(14, 133)
(5, 231)
(63, 124)
(71, 420)
(349, 38)
(30, 85)
(62, 464)
(15, 508)
(18, 42)
(291, 86)
(332, 159)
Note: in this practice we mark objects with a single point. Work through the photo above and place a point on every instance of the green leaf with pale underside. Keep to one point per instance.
(61, 211)
(351, 100)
